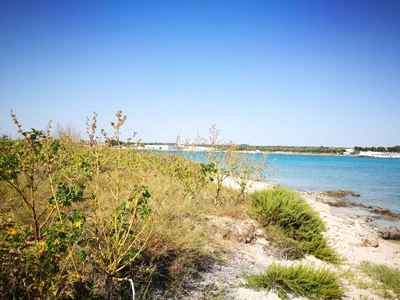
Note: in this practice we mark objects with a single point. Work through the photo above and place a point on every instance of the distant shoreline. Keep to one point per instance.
(244, 151)
(293, 153)
(275, 152)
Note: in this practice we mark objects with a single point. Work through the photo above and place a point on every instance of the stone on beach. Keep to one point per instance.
(391, 232)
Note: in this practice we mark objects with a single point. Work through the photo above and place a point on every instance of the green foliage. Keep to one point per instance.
(54, 252)
(67, 195)
(79, 219)
(291, 223)
(389, 277)
(301, 280)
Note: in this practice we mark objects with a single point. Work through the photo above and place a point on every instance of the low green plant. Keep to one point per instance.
(291, 223)
(301, 280)
(389, 277)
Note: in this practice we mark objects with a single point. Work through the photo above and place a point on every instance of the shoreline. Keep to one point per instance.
(355, 237)
(339, 202)
(345, 200)
(274, 152)
(386, 221)
(343, 203)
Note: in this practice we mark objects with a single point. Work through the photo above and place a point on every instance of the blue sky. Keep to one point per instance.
(265, 72)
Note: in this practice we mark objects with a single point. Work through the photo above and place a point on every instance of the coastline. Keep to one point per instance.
(355, 236)
(338, 204)
(242, 247)
(279, 152)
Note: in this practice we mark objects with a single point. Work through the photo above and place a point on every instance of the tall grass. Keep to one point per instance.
(291, 224)
(301, 280)
(79, 220)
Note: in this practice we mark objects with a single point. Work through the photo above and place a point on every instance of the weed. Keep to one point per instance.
(301, 280)
(389, 277)
(222, 160)
(79, 218)
(71, 230)
(291, 223)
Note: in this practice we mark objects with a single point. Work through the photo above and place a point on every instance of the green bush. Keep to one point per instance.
(77, 217)
(291, 224)
(302, 280)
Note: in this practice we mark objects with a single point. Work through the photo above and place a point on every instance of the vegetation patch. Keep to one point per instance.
(291, 224)
(301, 280)
(81, 219)
(389, 277)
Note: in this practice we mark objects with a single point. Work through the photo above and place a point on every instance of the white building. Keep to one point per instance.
(156, 147)
(379, 154)
(349, 151)
(196, 148)
(193, 148)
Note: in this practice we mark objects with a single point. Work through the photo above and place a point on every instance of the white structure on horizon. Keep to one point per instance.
(194, 148)
(379, 154)
(157, 147)
(349, 151)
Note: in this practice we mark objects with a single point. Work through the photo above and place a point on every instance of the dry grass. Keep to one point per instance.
(177, 246)
(157, 239)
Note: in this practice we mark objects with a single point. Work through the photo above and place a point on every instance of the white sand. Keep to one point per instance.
(251, 186)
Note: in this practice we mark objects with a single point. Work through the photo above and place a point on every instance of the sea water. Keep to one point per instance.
(377, 180)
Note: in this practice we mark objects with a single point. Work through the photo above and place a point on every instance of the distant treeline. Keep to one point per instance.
(297, 149)
(378, 149)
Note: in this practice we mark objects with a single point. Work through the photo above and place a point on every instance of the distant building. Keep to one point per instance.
(349, 151)
(196, 148)
(157, 147)
(193, 148)
(379, 154)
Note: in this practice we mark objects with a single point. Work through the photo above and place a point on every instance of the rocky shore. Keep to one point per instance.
(242, 247)
(384, 219)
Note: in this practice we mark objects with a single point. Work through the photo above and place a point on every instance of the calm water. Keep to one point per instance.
(377, 180)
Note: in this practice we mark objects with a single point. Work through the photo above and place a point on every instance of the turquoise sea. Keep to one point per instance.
(377, 180)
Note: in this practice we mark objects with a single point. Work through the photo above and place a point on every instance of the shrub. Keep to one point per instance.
(78, 219)
(302, 280)
(291, 223)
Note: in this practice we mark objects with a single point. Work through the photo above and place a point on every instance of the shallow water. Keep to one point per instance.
(380, 221)
(377, 180)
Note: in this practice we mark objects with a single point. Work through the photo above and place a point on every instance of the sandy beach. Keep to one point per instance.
(355, 237)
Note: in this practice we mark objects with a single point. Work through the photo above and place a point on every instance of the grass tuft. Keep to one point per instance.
(301, 280)
(389, 277)
(292, 225)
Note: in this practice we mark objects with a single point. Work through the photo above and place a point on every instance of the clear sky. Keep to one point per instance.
(266, 72)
